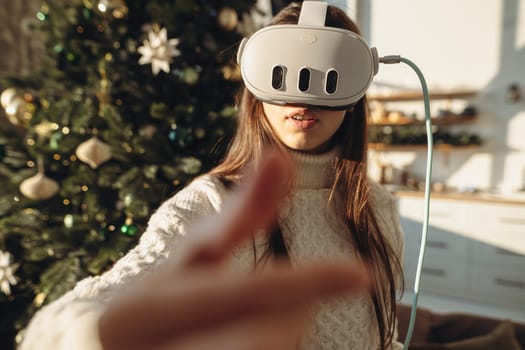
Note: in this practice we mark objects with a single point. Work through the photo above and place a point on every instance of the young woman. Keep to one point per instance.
(334, 210)
(331, 212)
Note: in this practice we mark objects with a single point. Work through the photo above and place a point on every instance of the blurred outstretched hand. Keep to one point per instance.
(196, 303)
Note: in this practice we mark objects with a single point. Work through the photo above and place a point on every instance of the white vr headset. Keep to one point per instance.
(307, 63)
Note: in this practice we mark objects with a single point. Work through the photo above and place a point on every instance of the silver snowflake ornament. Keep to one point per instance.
(159, 51)
(6, 273)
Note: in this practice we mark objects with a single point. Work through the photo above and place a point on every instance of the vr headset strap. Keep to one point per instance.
(313, 13)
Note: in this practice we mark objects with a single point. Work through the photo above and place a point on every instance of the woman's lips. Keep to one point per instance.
(302, 119)
(303, 124)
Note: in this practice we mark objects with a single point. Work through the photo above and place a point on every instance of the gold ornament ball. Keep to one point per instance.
(18, 112)
(228, 18)
(7, 96)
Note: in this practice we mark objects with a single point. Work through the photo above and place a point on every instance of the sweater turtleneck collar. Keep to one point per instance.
(314, 171)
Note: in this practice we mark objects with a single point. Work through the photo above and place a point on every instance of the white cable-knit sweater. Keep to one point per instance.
(312, 229)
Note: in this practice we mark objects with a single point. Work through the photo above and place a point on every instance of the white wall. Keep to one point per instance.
(468, 44)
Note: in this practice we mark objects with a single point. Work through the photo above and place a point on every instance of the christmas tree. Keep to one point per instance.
(134, 99)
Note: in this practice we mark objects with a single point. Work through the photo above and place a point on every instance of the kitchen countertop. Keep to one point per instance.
(497, 198)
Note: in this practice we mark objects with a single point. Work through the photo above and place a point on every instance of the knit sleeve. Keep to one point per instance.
(71, 321)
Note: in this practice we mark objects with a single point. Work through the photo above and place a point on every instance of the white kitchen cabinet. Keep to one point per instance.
(475, 250)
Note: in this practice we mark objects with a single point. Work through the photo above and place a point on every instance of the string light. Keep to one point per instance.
(41, 16)
(39, 299)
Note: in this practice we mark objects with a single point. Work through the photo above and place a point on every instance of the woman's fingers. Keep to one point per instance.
(200, 299)
(279, 330)
(253, 206)
(236, 295)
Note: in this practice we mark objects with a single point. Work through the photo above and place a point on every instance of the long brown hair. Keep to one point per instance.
(254, 135)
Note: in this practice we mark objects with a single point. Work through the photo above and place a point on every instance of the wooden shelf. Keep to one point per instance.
(408, 147)
(444, 120)
(401, 120)
(414, 96)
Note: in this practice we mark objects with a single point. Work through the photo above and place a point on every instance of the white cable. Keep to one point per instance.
(428, 175)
